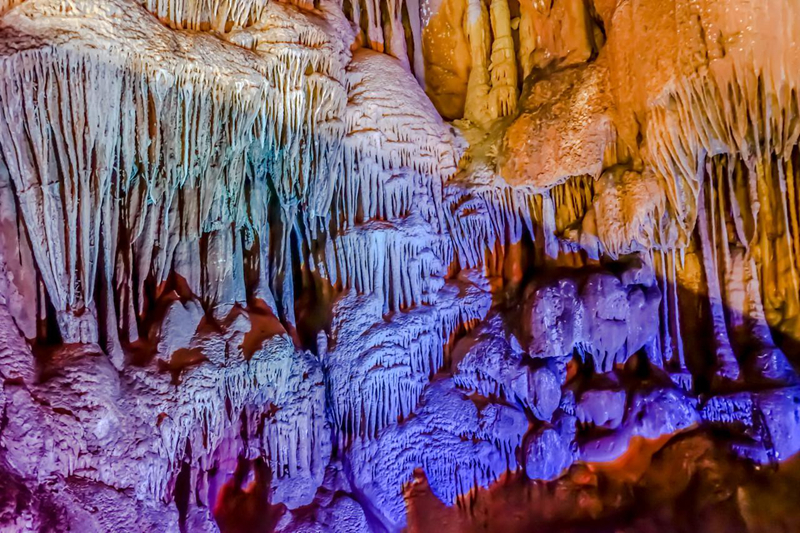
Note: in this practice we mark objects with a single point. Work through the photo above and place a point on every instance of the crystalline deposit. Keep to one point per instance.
(285, 265)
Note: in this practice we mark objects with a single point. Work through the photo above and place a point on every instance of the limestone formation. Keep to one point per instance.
(272, 265)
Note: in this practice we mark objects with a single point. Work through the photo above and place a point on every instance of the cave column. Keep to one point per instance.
(476, 108)
(504, 92)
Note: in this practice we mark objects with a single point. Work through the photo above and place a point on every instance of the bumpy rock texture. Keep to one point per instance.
(274, 265)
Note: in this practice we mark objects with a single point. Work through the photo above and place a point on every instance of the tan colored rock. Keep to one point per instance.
(564, 129)
(448, 59)
(628, 210)
(554, 31)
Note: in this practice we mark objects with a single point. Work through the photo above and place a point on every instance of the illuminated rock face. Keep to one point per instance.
(274, 265)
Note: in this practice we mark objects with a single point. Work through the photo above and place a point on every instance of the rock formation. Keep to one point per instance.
(271, 265)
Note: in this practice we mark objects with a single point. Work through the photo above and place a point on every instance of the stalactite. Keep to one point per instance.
(478, 105)
(503, 65)
(679, 359)
(727, 365)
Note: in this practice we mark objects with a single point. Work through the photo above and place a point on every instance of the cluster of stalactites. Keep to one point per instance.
(740, 263)
(393, 27)
(390, 252)
(305, 61)
(714, 126)
(389, 237)
(730, 94)
(206, 15)
(140, 162)
(459, 444)
(615, 215)
(745, 242)
(123, 163)
(219, 16)
(279, 395)
(482, 217)
(492, 89)
(391, 127)
(401, 263)
(379, 365)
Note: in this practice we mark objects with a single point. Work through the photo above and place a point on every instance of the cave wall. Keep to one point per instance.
(279, 265)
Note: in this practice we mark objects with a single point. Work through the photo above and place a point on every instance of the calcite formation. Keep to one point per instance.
(274, 265)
